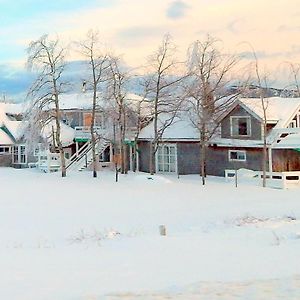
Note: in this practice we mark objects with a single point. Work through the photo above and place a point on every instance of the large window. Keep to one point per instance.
(4, 150)
(19, 155)
(236, 155)
(240, 126)
(166, 158)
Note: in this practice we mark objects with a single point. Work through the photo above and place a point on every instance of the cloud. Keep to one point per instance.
(294, 50)
(177, 9)
(14, 81)
(133, 35)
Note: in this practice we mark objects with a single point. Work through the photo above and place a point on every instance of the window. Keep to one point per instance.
(293, 124)
(166, 159)
(240, 126)
(4, 150)
(19, 155)
(22, 155)
(235, 155)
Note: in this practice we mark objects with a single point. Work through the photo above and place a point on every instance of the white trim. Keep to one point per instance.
(5, 152)
(18, 154)
(293, 124)
(242, 105)
(163, 163)
(240, 117)
(237, 151)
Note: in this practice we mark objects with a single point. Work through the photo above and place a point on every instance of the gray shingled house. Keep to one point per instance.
(238, 143)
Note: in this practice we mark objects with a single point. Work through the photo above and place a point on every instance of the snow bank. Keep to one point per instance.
(84, 238)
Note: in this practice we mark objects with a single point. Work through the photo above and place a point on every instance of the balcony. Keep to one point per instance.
(83, 133)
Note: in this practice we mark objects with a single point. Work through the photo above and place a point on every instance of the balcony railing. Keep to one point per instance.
(84, 132)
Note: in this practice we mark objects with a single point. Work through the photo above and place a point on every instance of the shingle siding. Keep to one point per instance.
(188, 159)
(256, 126)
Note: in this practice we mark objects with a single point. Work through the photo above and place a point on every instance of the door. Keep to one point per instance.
(166, 158)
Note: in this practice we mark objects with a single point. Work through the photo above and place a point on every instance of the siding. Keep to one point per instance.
(5, 160)
(144, 156)
(285, 160)
(256, 126)
(188, 158)
(218, 161)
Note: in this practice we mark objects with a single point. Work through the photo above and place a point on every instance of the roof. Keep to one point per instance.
(279, 110)
(84, 100)
(67, 133)
(291, 141)
(181, 129)
(15, 128)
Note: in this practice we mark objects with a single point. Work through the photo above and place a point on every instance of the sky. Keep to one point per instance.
(134, 29)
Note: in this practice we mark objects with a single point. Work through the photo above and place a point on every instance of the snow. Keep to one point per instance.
(67, 133)
(181, 129)
(279, 110)
(15, 127)
(83, 100)
(82, 238)
(291, 141)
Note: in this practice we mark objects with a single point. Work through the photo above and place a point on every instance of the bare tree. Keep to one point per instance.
(141, 118)
(118, 93)
(162, 88)
(98, 66)
(211, 74)
(262, 85)
(47, 58)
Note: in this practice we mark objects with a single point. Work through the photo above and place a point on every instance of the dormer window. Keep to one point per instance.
(240, 126)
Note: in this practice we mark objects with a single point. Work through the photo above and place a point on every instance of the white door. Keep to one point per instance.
(166, 158)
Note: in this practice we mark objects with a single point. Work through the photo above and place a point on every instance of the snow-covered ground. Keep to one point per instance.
(81, 238)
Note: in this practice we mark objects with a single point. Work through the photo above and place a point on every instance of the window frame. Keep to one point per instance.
(248, 130)
(5, 152)
(237, 159)
(19, 154)
(163, 162)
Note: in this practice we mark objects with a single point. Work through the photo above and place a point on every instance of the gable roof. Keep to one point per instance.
(11, 130)
(181, 129)
(279, 110)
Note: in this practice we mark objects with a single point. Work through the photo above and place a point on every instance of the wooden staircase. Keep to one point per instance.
(84, 157)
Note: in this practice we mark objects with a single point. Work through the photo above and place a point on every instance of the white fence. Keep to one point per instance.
(280, 180)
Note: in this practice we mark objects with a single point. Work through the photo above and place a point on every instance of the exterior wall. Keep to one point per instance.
(218, 160)
(256, 126)
(73, 118)
(285, 160)
(5, 160)
(144, 156)
(77, 117)
(188, 158)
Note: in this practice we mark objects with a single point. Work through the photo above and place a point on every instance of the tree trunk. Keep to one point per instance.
(94, 156)
(61, 149)
(58, 130)
(152, 158)
(202, 161)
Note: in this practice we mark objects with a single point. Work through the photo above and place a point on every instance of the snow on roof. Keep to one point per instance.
(291, 141)
(181, 129)
(15, 127)
(83, 100)
(67, 133)
(279, 110)
(221, 142)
